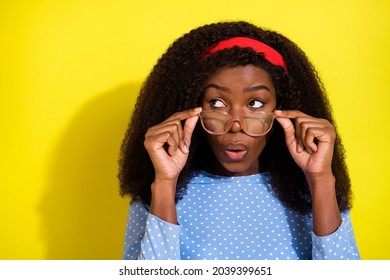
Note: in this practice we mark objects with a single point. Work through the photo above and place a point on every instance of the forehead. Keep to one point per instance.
(247, 74)
(241, 79)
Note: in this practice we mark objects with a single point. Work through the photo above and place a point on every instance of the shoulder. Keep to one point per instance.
(137, 209)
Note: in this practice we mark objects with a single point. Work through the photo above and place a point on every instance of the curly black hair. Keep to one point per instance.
(177, 83)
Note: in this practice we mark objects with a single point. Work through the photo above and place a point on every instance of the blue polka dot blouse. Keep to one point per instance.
(233, 218)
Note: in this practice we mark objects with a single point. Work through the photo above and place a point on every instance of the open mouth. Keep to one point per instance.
(236, 153)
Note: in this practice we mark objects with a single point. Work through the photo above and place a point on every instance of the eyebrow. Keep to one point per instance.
(255, 88)
(218, 87)
(246, 90)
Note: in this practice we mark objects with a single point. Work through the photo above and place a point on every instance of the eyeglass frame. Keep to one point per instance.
(239, 120)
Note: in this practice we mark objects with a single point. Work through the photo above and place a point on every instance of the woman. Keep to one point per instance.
(232, 153)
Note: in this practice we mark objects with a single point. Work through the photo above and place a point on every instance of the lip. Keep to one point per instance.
(236, 152)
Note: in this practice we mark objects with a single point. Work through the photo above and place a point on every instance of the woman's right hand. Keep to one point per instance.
(168, 143)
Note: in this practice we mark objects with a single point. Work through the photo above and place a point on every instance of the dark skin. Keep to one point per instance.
(237, 90)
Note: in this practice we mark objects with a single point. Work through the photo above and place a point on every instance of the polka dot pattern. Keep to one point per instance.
(233, 218)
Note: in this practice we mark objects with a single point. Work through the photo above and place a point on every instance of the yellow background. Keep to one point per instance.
(69, 75)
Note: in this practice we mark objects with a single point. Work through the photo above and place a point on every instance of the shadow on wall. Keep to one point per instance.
(83, 216)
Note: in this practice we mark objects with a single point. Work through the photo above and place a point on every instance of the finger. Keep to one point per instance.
(302, 123)
(175, 118)
(173, 128)
(310, 129)
(304, 135)
(173, 144)
(176, 132)
(170, 131)
(308, 140)
(183, 115)
(290, 114)
(191, 117)
(167, 125)
(188, 129)
(159, 141)
(298, 136)
(293, 114)
(323, 134)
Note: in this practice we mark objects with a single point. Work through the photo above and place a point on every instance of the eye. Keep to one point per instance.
(255, 104)
(217, 103)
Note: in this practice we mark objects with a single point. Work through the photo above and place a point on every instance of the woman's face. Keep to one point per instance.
(238, 91)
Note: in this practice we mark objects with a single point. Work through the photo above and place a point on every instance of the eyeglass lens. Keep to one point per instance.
(220, 122)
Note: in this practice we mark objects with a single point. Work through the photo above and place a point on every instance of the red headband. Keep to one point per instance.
(270, 54)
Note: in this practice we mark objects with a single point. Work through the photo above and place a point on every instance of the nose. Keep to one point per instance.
(235, 112)
(236, 125)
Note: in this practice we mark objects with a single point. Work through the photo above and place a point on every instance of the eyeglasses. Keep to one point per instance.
(220, 122)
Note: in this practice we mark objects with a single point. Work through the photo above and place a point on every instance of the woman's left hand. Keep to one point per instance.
(310, 141)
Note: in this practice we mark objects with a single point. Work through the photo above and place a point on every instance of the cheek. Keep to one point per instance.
(213, 142)
(258, 145)
(268, 136)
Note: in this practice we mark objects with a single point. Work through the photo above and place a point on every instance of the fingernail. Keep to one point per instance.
(277, 113)
(198, 109)
(185, 148)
